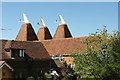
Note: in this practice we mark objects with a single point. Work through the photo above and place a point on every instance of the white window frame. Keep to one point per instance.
(21, 53)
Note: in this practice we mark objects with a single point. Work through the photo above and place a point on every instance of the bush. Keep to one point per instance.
(31, 78)
(101, 57)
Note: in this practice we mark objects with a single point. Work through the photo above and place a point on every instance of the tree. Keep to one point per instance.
(101, 57)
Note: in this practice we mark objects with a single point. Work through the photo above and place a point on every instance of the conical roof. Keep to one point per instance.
(43, 32)
(62, 30)
(26, 33)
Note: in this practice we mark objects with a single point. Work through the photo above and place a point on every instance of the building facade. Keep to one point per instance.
(30, 54)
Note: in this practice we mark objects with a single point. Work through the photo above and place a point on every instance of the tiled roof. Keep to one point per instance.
(26, 33)
(44, 48)
(2, 63)
(2, 51)
(44, 33)
(64, 46)
(32, 49)
(62, 32)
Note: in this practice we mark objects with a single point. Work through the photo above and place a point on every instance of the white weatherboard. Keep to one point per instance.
(25, 18)
(43, 23)
(62, 20)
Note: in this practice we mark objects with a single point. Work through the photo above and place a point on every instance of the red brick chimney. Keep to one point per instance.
(43, 33)
(62, 30)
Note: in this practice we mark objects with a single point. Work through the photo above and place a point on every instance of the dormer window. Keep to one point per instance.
(17, 53)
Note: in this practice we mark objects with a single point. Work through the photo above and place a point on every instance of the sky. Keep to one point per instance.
(82, 18)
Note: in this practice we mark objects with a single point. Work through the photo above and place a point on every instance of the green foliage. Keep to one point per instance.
(31, 78)
(48, 76)
(101, 58)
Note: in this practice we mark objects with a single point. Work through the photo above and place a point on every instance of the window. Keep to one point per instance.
(57, 57)
(53, 56)
(17, 53)
(61, 58)
(21, 53)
